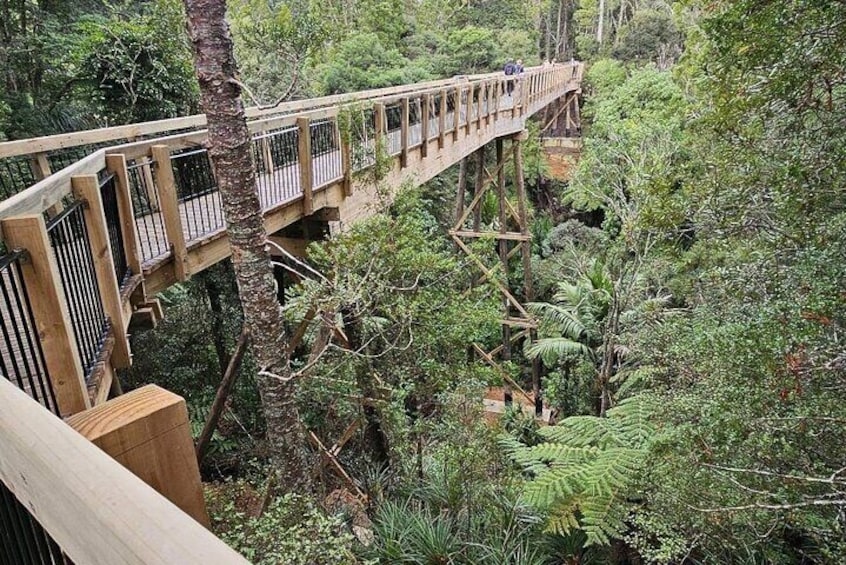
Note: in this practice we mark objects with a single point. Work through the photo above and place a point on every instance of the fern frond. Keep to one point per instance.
(551, 349)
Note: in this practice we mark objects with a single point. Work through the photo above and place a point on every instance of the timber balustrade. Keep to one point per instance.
(61, 497)
(85, 247)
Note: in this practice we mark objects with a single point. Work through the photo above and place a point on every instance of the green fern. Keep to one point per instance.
(584, 472)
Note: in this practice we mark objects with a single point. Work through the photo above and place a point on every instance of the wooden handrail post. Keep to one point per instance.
(490, 99)
(49, 311)
(470, 91)
(116, 164)
(149, 185)
(425, 102)
(169, 206)
(346, 160)
(379, 132)
(480, 106)
(442, 119)
(404, 134)
(266, 155)
(87, 188)
(456, 113)
(304, 157)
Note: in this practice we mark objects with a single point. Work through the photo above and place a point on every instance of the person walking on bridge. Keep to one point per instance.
(510, 70)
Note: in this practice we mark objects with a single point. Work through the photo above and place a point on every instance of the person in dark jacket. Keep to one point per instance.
(510, 70)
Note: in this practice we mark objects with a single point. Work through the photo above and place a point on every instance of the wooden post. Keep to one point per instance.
(304, 157)
(346, 162)
(526, 252)
(49, 311)
(442, 119)
(425, 101)
(480, 106)
(147, 431)
(490, 98)
(87, 188)
(478, 187)
(379, 116)
(470, 90)
(117, 164)
(95, 510)
(149, 185)
(266, 154)
(169, 206)
(40, 166)
(404, 134)
(503, 257)
(456, 114)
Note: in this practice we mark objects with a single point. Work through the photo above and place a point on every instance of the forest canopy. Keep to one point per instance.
(689, 282)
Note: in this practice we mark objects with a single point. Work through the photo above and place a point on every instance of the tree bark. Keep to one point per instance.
(601, 22)
(229, 149)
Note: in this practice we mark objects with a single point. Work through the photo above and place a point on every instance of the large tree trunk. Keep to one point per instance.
(229, 149)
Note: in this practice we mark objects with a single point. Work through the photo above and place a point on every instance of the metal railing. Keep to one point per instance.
(114, 227)
(196, 189)
(23, 540)
(69, 239)
(21, 357)
(149, 223)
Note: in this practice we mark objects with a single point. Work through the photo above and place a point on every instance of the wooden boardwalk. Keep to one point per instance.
(303, 168)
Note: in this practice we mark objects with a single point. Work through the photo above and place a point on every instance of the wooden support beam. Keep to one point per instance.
(510, 236)
(442, 118)
(169, 205)
(116, 164)
(425, 102)
(519, 322)
(304, 157)
(40, 166)
(49, 311)
(404, 110)
(479, 193)
(326, 214)
(484, 268)
(515, 337)
(505, 376)
(294, 246)
(480, 106)
(87, 188)
(148, 432)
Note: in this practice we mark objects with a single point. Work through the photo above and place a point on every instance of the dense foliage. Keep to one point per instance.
(689, 283)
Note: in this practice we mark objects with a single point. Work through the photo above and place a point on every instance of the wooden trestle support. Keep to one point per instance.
(510, 243)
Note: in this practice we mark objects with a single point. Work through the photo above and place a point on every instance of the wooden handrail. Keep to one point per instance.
(50, 191)
(97, 511)
(44, 144)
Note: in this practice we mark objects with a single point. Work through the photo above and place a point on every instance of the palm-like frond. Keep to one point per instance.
(551, 349)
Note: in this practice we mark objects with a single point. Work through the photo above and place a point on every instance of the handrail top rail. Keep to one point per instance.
(50, 190)
(42, 144)
(102, 512)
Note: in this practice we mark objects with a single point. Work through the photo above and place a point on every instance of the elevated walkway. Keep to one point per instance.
(87, 247)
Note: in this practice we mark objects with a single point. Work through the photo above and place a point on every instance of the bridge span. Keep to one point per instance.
(95, 223)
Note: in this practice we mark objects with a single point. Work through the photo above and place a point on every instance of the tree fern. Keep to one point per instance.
(584, 473)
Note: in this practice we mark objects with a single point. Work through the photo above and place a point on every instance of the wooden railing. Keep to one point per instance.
(72, 499)
(91, 243)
